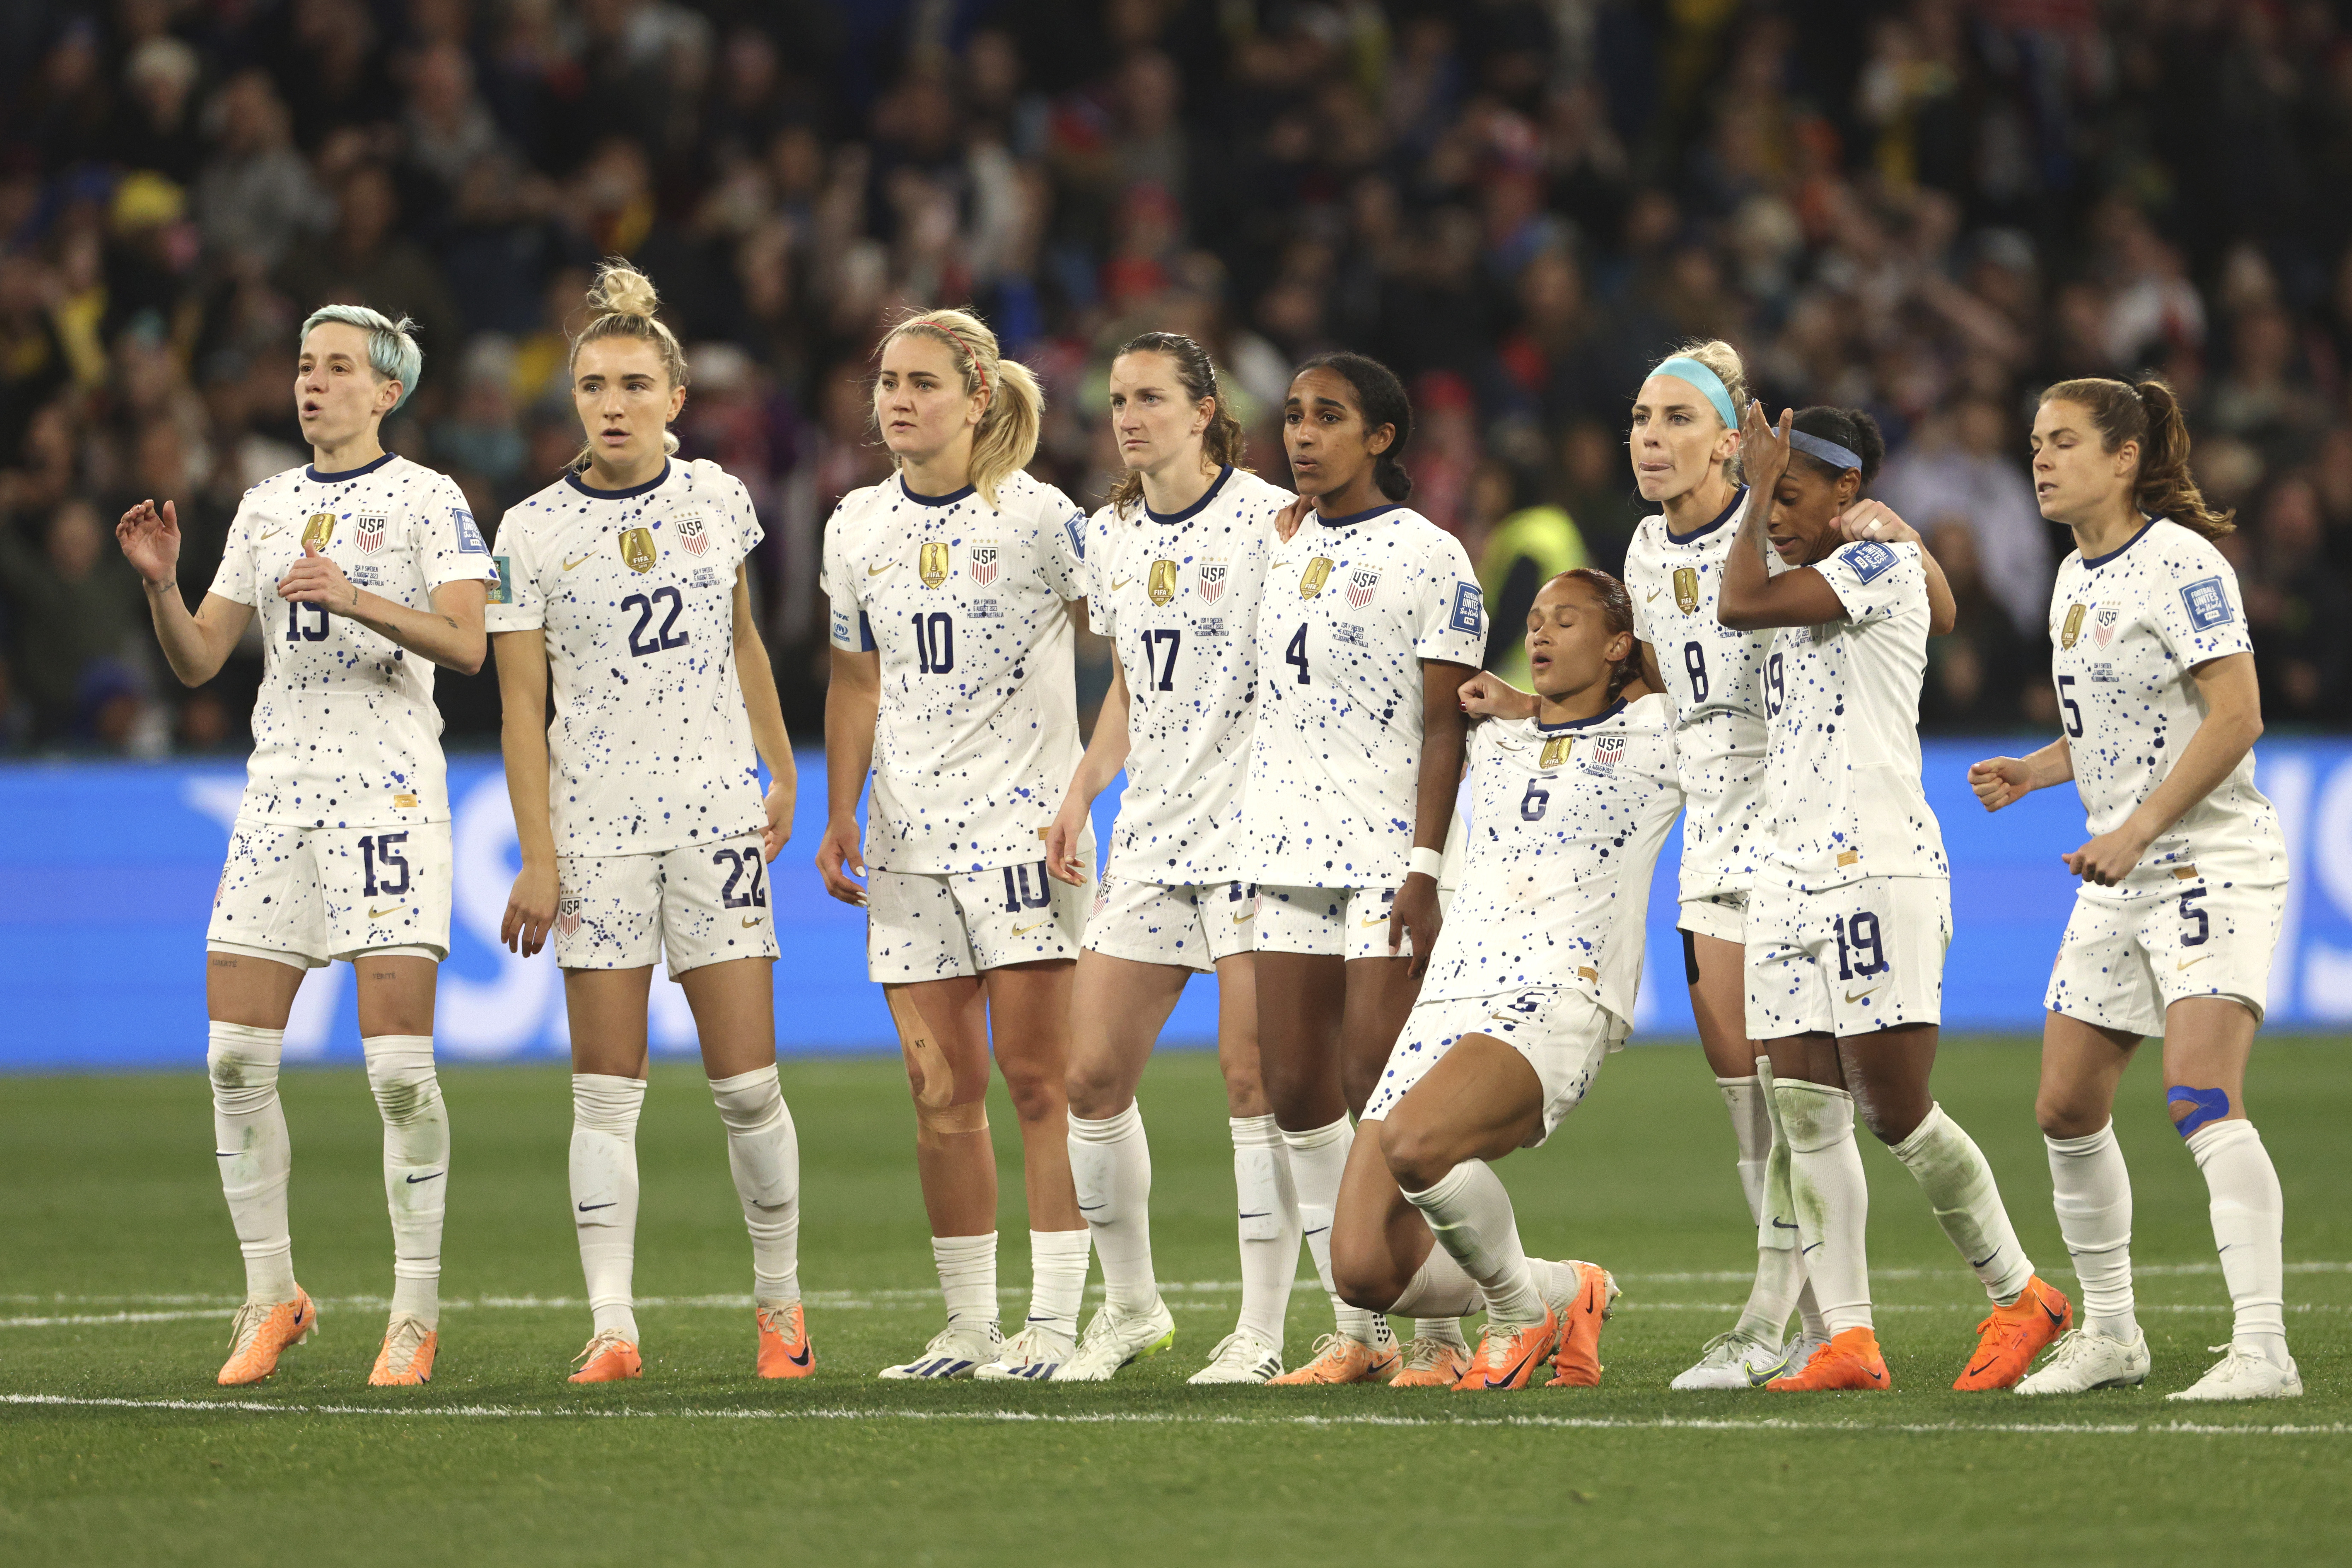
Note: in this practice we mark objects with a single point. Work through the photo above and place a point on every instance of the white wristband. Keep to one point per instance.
(1428, 862)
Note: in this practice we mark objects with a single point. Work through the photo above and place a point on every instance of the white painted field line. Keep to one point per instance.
(1170, 1419)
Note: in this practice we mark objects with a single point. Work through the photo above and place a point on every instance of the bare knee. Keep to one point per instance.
(1362, 1275)
(1036, 1096)
(2063, 1115)
(1095, 1089)
(1417, 1158)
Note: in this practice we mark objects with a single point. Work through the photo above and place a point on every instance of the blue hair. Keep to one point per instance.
(392, 350)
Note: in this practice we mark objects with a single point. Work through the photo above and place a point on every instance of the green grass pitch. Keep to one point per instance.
(119, 1268)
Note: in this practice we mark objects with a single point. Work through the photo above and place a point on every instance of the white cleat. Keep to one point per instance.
(2243, 1374)
(1033, 1355)
(1118, 1336)
(2085, 1359)
(957, 1350)
(1241, 1357)
(1734, 1361)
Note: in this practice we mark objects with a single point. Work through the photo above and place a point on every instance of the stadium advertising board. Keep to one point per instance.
(107, 873)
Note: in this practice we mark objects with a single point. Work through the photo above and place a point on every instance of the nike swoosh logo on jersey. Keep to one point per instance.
(1118, 583)
(379, 914)
(1251, 916)
(1025, 931)
(1853, 998)
(1653, 594)
(750, 921)
(272, 534)
(570, 564)
(1376, 920)
(2187, 963)
(877, 570)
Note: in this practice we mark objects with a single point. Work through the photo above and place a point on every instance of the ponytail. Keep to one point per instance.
(1223, 443)
(1014, 416)
(2150, 415)
(621, 304)
(1380, 399)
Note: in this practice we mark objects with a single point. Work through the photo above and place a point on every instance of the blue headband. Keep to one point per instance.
(1682, 367)
(1829, 452)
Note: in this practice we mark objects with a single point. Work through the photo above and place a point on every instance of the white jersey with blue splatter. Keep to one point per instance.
(1177, 593)
(1561, 825)
(345, 733)
(1353, 607)
(2125, 631)
(977, 736)
(1842, 779)
(651, 746)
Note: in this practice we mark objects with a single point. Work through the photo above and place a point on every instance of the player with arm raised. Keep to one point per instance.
(623, 593)
(1174, 566)
(953, 583)
(341, 848)
(1851, 914)
(2184, 879)
(1370, 621)
(1530, 987)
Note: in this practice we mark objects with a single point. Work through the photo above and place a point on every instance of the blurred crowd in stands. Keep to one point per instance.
(1927, 210)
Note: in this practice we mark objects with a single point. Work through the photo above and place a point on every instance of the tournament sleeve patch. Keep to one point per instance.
(469, 538)
(502, 591)
(1077, 529)
(1469, 608)
(2207, 605)
(1868, 558)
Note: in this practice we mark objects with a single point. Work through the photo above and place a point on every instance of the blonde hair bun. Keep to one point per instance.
(621, 290)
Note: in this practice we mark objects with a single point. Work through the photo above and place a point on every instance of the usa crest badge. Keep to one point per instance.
(934, 564)
(1317, 573)
(567, 916)
(639, 551)
(1162, 584)
(2103, 622)
(984, 564)
(2074, 625)
(693, 535)
(1686, 589)
(1212, 582)
(1606, 751)
(1361, 584)
(320, 528)
(367, 532)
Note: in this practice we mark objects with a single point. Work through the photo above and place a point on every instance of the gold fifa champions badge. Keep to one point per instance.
(320, 528)
(935, 563)
(1163, 585)
(1319, 572)
(1686, 588)
(1555, 751)
(2073, 626)
(638, 549)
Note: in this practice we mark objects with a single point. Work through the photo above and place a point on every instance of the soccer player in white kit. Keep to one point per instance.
(1174, 567)
(638, 812)
(1530, 987)
(1372, 619)
(1851, 913)
(2184, 879)
(953, 583)
(341, 848)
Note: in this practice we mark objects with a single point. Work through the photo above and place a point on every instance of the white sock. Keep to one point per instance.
(1779, 1270)
(604, 1194)
(1439, 1293)
(416, 1165)
(763, 1152)
(1267, 1206)
(1469, 1213)
(1058, 1278)
(1832, 1198)
(967, 1266)
(2091, 1190)
(1110, 1162)
(2249, 1212)
(255, 1156)
(1318, 1157)
(1951, 1170)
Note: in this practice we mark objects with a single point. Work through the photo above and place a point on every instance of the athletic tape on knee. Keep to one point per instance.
(242, 1062)
(2205, 1105)
(934, 1125)
(1813, 1116)
(762, 1145)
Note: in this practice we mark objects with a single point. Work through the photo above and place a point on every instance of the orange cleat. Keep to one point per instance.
(609, 1358)
(1577, 1362)
(785, 1348)
(1851, 1360)
(2011, 1336)
(261, 1332)
(1338, 1359)
(1508, 1357)
(406, 1359)
(1431, 1364)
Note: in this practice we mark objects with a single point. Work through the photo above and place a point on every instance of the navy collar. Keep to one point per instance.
(572, 478)
(1608, 712)
(1359, 517)
(311, 472)
(2099, 561)
(948, 499)
(1170, 518)
(1695, 534)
